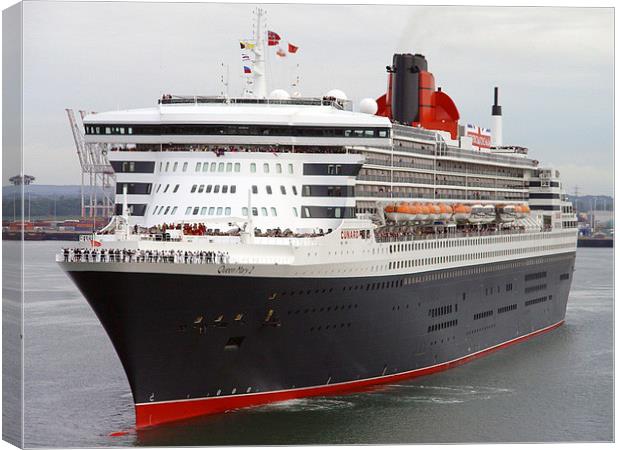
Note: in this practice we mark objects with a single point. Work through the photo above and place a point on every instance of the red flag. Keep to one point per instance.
(96, 243)
(292, 48)
(273, 38)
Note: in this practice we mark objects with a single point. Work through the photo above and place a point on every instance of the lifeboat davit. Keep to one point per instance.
(445, 211)
(478, 214)
(507, 213)
(461, 213)
(489, 211)
(434, 211)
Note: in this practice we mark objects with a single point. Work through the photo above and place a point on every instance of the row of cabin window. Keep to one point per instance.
(270, 191)
(222, 167)
(213, 188)
(404, 264)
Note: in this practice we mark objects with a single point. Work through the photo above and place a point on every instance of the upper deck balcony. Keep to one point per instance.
(168, 99)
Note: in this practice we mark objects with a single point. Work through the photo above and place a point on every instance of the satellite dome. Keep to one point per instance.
(368, 106)
(337, 93)
(279, 94)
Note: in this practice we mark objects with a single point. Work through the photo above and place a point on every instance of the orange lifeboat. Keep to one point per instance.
(434, 211)
(390, 212)
(519, 211)
(413, 212)
(402, 211)
(445, 211)
(424, 212)
(461, 212)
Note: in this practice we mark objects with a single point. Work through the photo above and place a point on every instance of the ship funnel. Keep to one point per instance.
(496, 125)
(405, 86)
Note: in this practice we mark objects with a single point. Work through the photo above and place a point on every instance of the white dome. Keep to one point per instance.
(337, 93)
(279, 94)
(368, 106)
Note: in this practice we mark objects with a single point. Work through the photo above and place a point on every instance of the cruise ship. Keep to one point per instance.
(270, 247)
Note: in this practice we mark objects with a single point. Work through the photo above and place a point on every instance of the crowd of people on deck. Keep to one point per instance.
(144, 256)
(200, 229)
(403, 233)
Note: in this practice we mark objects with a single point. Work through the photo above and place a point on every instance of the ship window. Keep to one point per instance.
(220, 167)
(253, 167)
(174, 210)
(166, 188)
(254, 211)
(188, 210)
(268, 189)
(295, 212)
(273, 211)
(213, 167)
(211, 210)
(174, 167)
(294, 190)
(158, 188)
(229, 167)
(108, 130)
(254, 189)
(167, 166)
(278, 168)
(167, 210)
(266, 168)
(237, 167)
(227, 211)
(263, 211)
(233, 189)
(203, 211)
(160, 164)
(194, 188)
(219, 210)
(176, 188)
(205, 167)
(216, 189)
(209, 187)
(244, 211)
(290, 168)
(195, 211)
(225, 189)
(283, 190)
(201, 188)
(198, 166)
(185, 166)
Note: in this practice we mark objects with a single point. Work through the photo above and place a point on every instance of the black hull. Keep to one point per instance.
(321, 331)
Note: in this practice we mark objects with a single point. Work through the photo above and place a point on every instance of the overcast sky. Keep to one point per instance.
(554, 67)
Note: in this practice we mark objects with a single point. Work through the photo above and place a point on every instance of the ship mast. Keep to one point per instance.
(260, 80)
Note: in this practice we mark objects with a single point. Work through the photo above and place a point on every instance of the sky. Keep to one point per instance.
(554, 67)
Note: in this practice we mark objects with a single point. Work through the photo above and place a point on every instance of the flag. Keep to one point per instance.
(248, 45)
(245, 57)
(242, 44)
(280, 52)
(481, 137)
(246, 69)
(96, 243)
(292, 48)
(273, 38)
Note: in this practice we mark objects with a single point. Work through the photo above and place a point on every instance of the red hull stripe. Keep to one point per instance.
(156, 413)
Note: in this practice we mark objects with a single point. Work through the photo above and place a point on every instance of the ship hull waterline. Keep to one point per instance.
(194, 345)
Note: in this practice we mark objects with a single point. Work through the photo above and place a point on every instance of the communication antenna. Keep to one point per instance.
(295, 83)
